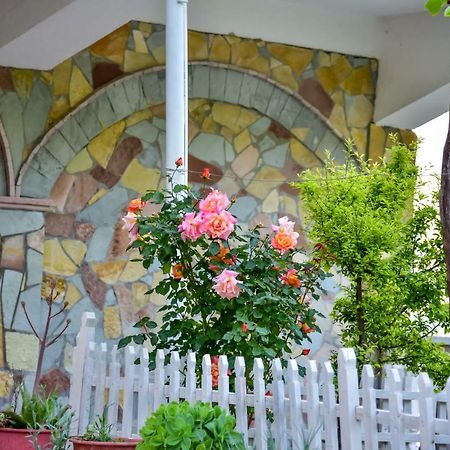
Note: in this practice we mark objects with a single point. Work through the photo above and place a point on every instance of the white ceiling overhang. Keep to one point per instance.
(412, 48)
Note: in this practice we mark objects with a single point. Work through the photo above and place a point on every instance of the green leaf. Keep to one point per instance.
(139, 339)
(214, 249)
(447, 11)
(434, 6)
(124, 342)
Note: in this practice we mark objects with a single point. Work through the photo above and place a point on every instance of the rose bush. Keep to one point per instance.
(228, 292)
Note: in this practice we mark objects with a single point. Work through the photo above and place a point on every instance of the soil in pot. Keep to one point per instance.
(14, 439)
(118, 443)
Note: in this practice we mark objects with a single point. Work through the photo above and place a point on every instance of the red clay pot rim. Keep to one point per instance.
(24, 430)
(98, 444)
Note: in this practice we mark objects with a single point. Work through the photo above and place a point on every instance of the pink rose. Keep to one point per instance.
(285, 237)
(190, 227)
(215, 202)
(218, 225)
(285, 225)
(130, 224)
(226, 284)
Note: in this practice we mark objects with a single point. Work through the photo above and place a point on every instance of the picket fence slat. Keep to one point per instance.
(401, 411)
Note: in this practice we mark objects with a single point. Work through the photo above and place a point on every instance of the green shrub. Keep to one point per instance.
(184, 426)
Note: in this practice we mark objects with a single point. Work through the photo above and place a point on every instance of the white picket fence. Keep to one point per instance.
(405, 413)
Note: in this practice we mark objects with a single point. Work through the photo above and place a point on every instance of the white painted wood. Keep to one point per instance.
(100, 379)
(160, 381)
(174, 374)
(426, 412)
(128, 391)
(395, 408)
(191, 381)
(114, 387)
(224, 384)
(370, 409)
(348, 400)
(329, 407)
(447, 395)
(296, 424)
(241, 397)
(206, 395)
(259, 387)
(315, 422)
(79, 355)
(88, 382)
(143, 389)
(279, 423)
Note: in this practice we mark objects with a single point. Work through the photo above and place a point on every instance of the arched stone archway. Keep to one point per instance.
(147, 88)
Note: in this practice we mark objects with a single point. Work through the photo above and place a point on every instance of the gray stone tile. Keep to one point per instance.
(18, 222)
(58, 147)
(233, 86)
(99, 244)
(260, 126)
(151, 156)
(11, 283)
(74, 135)
(144, 130)
(266, 144)
(217, 79)
(159, 123)
(135, 93)
(229, 152)
(119, 101)
(244, 208)
(316, 133)
(162, 84)
(2, 178)
(340, 154)
(156, 40)
(209, 147)
(200, 82)
(276, 103)
(34, 305)
(36, 185)
(83, 61)
(46, 164)
(36, 111)
(11, 110)
(248, 89)
(305, 119)
(277, 156)
(34, 267)
(152, 89)
(291, 110)
(262, 96)
(328, 142)
(104, 111)
(88, 121)
(111, 299)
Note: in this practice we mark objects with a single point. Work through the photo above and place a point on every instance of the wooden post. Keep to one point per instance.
(241, 397)
(426, 408)
(329, 408)
(296, 423)
(369, 409)
(259, 388)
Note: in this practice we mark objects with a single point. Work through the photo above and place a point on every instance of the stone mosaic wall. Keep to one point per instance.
(259, 114)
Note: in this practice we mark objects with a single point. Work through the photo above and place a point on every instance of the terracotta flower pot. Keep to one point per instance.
(12, 439)
(119, 443)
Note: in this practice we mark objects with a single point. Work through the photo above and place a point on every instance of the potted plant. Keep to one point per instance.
(98, 436)
(188, 426)
(40, 423)
(37, 424)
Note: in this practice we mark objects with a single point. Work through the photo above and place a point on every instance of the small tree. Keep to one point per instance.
(361, 215)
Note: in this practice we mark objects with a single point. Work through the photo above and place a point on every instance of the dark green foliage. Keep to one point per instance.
(392, 256)
(184, 426)
(99, 430)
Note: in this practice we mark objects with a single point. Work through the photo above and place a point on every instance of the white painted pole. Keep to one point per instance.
(176, 87)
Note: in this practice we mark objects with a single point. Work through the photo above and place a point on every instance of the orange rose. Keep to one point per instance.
(177, 271)
(284, 241)
(291, 278)
(224, 256)
(136, 205)
(206, 175)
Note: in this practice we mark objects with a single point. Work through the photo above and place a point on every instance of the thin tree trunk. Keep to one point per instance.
(445, 205)
(360, 312)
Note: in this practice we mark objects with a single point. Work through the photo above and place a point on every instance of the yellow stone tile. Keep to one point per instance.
(23, 82)
(113, 45)
(284, 75)
(359, 82)
(227, 134)
(196, 103)
(328, 78)
(297, 58)
(341, 65)
(56, 260)
(112, 329)
(302, 155)
(220, 49)
(75, 249)
(324, 58)
(232, 39)
(108, 271)
(140, 178)
(159, 54)
(21, 351)
(275, 63)
(61, 78)
(138, 117)
(359, 137)
(300, 133)
(140, 298)
(133, 271)
(6, 382)
(59, 109)
(47, 77)
(242, 141)
(261, 189)
(139, 42)
(209, 126)
(135, 61)
(377, 142)
(102, 146)
(197, 46)
(80, 162)
(157, 299)
(289, 205)
(226, 114)
(408, 136)
(271, 203)
(338, 120)
(159, 110)
(246, 54)
(79, 87)
(146, 27)
(192, 130)
(246, 118)
(72, 294)
(338, 98)
(97, 196)
(360, 112)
